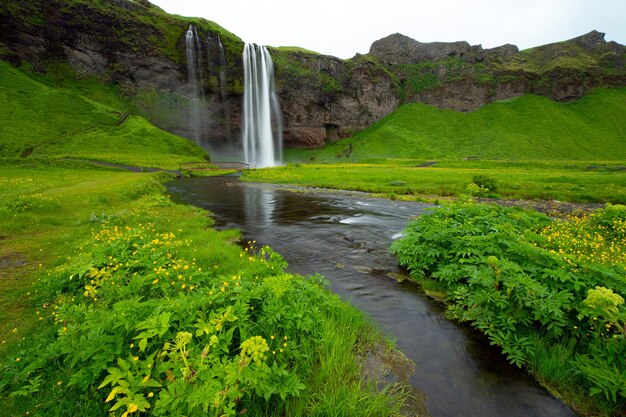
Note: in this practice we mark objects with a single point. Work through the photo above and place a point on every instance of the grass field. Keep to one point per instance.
(524, 128)
(37, 120)
(597, 182)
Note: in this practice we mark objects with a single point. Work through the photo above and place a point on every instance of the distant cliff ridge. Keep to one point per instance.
(138, 46)
(327, 98)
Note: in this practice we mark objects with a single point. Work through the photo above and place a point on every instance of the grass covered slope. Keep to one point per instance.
(526, 128)
(39, 120)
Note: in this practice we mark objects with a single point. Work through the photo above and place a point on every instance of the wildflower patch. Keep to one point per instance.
(527, 281)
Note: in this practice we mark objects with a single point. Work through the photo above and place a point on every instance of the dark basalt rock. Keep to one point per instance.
(399, 49)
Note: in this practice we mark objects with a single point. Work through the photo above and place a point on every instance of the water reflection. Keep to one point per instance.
(346, 239)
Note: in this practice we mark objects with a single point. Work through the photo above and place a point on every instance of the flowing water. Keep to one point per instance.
(345, 238)
(262, 125)
(196, 116)
(222, 76)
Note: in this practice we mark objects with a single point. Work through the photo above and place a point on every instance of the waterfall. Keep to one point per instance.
(197, 121)
(262, 130)
(225, 106)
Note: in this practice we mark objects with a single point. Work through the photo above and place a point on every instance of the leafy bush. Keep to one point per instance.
(507, 272)
(473, 190)
(483, 181)
(157, 333)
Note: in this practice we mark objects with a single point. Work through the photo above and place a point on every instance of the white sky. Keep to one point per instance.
(345, 27)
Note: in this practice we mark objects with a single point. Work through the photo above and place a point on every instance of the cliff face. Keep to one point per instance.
(132, 44)
(141, 48)
(325, 99)
(463, 77)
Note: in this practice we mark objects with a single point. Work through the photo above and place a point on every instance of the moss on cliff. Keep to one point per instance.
(433, 74)
(297, 66)
(562, 70)
(133, 26)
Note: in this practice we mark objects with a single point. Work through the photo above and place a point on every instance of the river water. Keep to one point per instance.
(345, 238)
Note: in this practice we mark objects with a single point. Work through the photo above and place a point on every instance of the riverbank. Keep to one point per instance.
(563, 181)
(104, 274)
(553, 207)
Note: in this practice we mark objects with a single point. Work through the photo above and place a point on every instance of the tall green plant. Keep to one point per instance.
(503, 274)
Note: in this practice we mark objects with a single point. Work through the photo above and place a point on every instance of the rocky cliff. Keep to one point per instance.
(132, 44)
(325, 98)
(463, 77)
(137, 46)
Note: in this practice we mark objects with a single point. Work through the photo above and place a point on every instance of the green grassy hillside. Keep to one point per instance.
(525, 128)
(39, 120)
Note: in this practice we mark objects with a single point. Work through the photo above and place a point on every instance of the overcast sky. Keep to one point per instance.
(345, 27)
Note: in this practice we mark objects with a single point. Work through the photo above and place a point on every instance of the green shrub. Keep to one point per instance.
(503, 274)
(484, 182)
(158, 333)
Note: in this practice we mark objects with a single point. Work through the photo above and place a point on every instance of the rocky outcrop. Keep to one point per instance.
(468, 95)
(591, 40)
(324, 99)
(399, 49)
(503, 51)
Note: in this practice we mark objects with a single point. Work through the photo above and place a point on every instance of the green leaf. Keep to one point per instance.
(124, 365)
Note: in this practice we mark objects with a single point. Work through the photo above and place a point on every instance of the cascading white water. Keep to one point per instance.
(197, 123)
(262, 128)
(225, 106)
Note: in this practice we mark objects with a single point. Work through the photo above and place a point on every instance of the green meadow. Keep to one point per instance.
(584, 182)
(37, 120)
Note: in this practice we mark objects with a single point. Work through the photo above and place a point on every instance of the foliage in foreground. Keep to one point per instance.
(542, 298)
(137, 324)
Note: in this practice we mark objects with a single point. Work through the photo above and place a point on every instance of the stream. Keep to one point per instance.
(345, 238)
